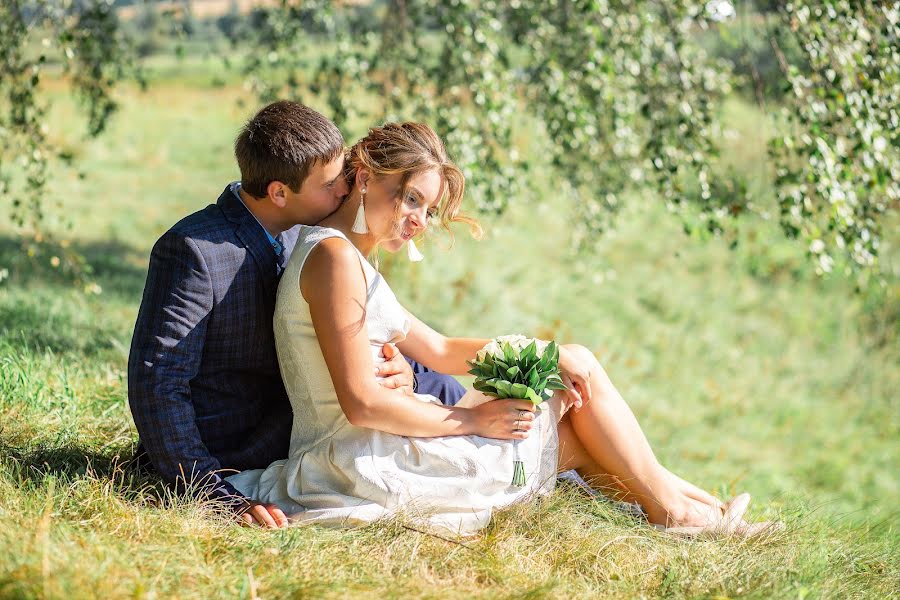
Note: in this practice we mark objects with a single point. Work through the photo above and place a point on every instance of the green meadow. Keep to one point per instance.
(747, 371)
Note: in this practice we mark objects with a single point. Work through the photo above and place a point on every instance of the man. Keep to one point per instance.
(203, 380)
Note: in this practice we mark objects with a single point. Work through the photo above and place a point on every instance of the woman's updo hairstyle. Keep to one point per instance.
(409, 149)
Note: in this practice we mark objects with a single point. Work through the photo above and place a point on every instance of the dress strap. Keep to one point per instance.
(311, 235)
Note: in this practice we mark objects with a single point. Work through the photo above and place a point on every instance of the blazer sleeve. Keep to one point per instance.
(166, 351)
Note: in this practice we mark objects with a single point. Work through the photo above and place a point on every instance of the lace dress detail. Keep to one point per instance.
(340, 474)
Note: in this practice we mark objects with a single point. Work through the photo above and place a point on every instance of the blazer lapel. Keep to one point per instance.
(250, 233)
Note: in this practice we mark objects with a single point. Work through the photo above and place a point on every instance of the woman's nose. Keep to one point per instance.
(419, 218)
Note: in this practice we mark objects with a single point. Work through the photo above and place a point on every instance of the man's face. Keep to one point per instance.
(320, 195)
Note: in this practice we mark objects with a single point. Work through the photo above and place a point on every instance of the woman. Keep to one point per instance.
(360, 452)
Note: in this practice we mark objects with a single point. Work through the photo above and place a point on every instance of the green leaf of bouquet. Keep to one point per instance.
(530, 351)
(555, 384)
(512, 372)
(482, 386)
(533, 396)
(546, 360)
(552, 352)
(487, 372)
(508, 353)
(518, 390)
(532, 377)
(503, 386)
(501, 365)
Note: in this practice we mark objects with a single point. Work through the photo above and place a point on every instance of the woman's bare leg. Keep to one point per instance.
(692, 491)
(606, 431)
(574, 456)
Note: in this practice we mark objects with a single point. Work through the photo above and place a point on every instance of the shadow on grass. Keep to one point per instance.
(32, 327)
(46, 309)
(74, 460)
(117, 267)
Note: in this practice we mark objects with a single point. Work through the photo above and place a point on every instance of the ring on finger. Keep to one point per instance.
(521, 414)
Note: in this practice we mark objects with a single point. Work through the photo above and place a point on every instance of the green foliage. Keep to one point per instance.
(614, 101)
(524, 374)
(621, 92)
(34, 36)
(839, 161)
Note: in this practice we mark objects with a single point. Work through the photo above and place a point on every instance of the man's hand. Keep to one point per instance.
(264, 515)
(397, 373)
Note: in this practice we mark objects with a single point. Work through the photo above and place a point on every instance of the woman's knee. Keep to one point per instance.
(584, 355)
(580, 351)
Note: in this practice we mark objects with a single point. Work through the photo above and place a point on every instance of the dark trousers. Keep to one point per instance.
(443, 387)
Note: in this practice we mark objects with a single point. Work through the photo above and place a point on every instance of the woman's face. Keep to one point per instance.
(395, 216)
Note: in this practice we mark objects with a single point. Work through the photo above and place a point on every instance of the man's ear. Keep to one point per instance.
(276, 193)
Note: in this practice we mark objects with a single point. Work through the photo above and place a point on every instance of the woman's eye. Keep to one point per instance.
(412, 200)
(432, 213)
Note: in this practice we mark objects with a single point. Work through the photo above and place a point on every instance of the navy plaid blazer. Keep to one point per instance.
(203, 381)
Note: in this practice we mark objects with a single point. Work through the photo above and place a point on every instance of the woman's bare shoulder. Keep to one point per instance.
(333, 265)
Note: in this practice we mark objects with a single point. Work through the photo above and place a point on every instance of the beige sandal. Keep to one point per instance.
(731, 523)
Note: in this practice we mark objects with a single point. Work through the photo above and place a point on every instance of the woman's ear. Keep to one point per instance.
(276, 193)
(362, 178)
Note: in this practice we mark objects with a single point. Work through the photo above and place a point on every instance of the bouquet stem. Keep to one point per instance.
(518, 479)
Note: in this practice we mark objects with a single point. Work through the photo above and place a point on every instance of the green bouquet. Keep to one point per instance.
(514, 366)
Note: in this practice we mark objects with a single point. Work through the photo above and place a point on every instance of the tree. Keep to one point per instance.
(81, 37)
(618, 95)
(838, 173)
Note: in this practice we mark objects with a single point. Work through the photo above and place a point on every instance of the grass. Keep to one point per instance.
(747, 371)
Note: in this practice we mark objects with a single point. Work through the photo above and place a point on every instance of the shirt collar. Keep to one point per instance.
(235, 189)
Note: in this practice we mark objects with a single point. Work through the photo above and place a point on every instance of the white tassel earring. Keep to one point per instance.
(359, 225)
(413, 252)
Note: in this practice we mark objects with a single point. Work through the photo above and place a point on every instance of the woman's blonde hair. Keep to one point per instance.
(409, 149)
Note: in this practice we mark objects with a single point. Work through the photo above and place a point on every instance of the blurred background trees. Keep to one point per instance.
(618, 102)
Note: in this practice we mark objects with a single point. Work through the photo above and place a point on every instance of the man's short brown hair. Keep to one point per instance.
(281, 142)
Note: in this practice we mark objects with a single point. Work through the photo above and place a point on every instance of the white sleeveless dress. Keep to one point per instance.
(340, 474)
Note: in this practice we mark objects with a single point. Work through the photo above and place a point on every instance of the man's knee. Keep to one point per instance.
(443, 387)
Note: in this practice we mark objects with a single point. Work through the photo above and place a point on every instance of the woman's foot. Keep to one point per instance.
(693, 514)
(731, 523)
(733, 511)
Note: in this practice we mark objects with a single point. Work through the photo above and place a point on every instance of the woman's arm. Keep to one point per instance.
(333, 284)
(445, 354)
(449, 355)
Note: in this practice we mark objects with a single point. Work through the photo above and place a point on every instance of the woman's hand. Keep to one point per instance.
(576, 376)
(507, 419)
